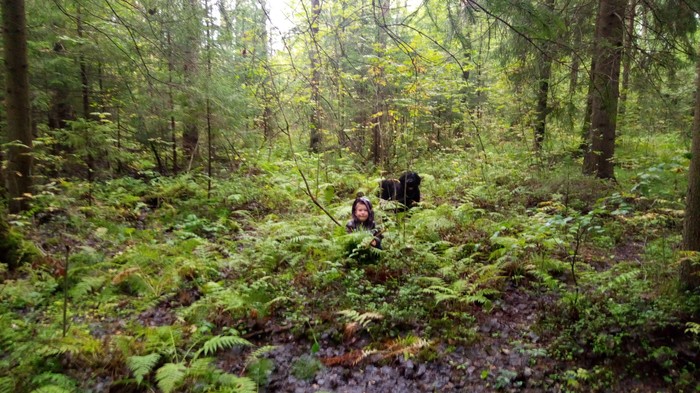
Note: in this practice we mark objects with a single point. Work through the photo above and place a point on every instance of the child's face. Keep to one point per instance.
(361, 212)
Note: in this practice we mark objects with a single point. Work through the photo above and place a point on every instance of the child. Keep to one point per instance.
(363, 219)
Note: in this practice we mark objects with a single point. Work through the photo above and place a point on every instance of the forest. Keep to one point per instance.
(178, 174)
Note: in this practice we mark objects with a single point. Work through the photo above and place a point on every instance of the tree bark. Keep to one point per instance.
(627, 60)
(61, 110)
(171, 103)
(380, 117)
(690, 270)
(545, 72)
(606, 75)
(315, 135)
(18, 176)
(190, 132)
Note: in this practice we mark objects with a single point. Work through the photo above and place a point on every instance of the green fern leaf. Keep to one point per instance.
(7, 385)
(142, 365)
(255, 355)
(220, 342)
(85, 286)
(238, 384)
(200, 367)
(170, 375)
(51, 389)
(693, 328)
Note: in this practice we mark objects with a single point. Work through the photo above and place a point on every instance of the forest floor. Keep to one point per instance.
(508, 351)
(142, 276)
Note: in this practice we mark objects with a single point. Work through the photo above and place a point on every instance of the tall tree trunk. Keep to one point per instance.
(545, 72)
(315, 121)
(18, 175)
(585, 146)
(171, 103)
(464, 37)
(267, 85)
(606, 75)
(690, 270)
(61, 110)
(208, 100)
(190, 132)
(380, 106)
(542, 94)
(85, 94)
(627, 59)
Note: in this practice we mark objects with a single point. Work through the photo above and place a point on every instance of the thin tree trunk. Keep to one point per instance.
(267, 88)
(585, 146)
(190, 132)
(627, 59)
(380, 106)
(606, 75)
(545, 72)
(85, 94)
(61, 110)
(315, 126)
(171, 103)
(208, 102)
(542, 107)
(18, 175)
(464, 38)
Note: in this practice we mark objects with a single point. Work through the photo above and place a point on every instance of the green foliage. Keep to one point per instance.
(170, 375)
(141, 366)
(476, 288)
(305, 367)
(220, 342)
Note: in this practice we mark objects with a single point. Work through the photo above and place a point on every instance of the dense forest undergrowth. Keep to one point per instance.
(513, 274)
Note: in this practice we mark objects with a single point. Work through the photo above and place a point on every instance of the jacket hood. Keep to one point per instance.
(370, 218)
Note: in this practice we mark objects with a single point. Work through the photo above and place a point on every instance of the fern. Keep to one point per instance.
(51, 389)
(142, 365)
(220, 342)
(255, 355)
(169, 375)
(693, 328)
(7, 385)
(474, 289)
(622, 280)
(238, 384)
(86, 285)
(363, 319)
(201, 367)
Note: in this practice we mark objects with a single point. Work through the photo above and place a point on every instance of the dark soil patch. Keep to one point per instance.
(508, 355)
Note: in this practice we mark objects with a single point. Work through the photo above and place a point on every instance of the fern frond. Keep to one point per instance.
(86, 285)
(408, 346)
(362, 319)
(349, 314)
(693, 328)
(255, 355)
(201, 367)
(365, 318)
(432, 281)
(304, 239)
(124, 275)
(364, 355)
(275, 300)
(169, 375)
(622, 279)
(220, 342)
(7, 385)
(239, 384)
(142, 365)
(51, 389)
